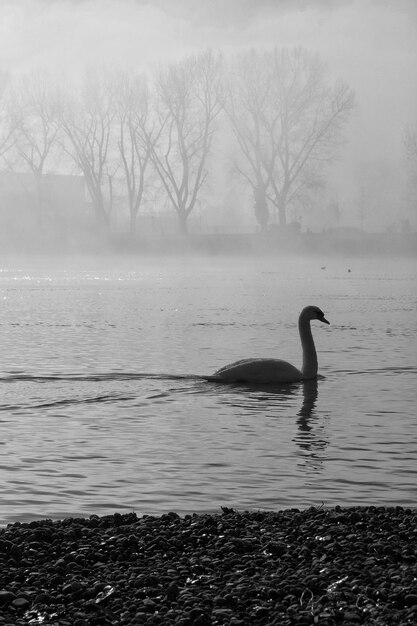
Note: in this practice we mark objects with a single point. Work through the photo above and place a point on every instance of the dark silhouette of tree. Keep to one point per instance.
(287, 120)
(135, 138)
(87, 122)
(187, 105)
(261, 205)
(312, 117)
(34, 99)
(247, 97)
(410, 145)
(9, 118)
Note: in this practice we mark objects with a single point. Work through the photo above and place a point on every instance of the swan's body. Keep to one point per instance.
(275, 370)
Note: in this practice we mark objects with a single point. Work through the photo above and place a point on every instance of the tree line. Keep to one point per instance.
(274, 112)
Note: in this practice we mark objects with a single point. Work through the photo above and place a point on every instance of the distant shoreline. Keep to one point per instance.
(275, 243)
(337, 242)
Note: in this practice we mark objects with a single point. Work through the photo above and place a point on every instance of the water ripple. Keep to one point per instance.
(91, 422)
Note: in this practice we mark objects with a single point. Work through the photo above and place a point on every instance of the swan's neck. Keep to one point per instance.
(309, 368)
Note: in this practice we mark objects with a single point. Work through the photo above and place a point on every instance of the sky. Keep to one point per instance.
(371, 44)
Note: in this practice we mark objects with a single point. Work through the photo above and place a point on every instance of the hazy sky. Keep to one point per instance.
(372, 44)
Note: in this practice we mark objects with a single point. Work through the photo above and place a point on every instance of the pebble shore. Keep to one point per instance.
(316, 566)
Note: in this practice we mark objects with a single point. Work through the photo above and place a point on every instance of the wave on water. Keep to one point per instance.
(378, 370)
(116, 395)
(111, 398)
(11, 377)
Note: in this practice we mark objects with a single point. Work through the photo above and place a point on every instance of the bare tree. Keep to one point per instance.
(135, 138)
(188, 103)
(288, 123)
(9, 118)
(247, 103)
(34, 100)
(312, 117)
(87, 121)
(410, 145)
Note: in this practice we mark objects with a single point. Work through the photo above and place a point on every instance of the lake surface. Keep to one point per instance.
(101, 410)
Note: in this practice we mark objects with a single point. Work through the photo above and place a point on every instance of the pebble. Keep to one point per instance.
(353, 565)
(21, 604)
(6, 597)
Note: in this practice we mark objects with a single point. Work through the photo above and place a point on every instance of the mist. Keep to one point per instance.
(208, 243)
(365, 186)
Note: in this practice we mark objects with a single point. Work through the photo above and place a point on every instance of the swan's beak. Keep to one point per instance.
(323, 319)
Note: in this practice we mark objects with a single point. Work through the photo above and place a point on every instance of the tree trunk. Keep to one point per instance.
(39, 199)
(261, 207)
(183, 223)
(132, 223)
(282, 214)
(102, 218)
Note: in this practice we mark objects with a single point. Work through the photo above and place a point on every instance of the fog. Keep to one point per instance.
(371, 45)
(180, 181)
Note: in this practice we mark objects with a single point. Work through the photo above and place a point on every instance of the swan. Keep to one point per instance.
(276, 370)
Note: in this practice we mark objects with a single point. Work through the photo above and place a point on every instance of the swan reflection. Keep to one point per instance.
(311, 438)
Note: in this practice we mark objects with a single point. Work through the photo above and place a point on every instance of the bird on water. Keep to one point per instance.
(275, 370)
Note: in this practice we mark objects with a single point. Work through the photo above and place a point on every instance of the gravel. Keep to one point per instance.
(315, 566)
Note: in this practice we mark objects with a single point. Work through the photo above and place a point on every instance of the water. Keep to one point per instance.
(102, 410)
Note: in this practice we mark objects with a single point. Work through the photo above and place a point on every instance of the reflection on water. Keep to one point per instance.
(89, 424)
(311, 437)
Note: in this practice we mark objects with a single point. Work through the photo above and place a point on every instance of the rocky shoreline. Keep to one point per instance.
(315, 566)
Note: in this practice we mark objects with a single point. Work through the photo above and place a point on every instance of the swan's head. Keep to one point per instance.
(314, 313)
